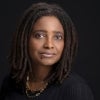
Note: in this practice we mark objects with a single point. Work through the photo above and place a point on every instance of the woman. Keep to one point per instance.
(43, 49)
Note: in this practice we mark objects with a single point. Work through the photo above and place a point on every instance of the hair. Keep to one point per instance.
(19, 56)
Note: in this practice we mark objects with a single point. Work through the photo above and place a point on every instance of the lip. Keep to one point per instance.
(47, 54)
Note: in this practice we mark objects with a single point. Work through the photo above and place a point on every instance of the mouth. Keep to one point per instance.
(47, 55)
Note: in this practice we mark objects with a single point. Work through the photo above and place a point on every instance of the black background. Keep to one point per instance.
(86, 17)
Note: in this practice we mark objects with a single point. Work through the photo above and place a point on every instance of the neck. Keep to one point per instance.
(40, 73)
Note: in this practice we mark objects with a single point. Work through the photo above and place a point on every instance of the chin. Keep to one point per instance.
(48, 63)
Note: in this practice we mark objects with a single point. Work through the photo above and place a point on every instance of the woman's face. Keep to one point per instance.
(46, 42)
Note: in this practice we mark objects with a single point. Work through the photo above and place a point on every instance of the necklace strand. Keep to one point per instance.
(33, 93)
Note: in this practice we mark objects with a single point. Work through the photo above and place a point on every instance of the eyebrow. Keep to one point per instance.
(46, 31)
(39, 31)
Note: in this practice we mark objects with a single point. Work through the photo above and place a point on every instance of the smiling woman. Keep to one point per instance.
(43, 44)
(42, 53)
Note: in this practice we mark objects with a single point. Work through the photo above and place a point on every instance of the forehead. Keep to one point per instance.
(51, 22)
(47, 19)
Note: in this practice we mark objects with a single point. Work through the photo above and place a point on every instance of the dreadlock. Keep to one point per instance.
(19, 56)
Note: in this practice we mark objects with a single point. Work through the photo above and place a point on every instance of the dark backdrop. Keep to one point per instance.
(85, 15)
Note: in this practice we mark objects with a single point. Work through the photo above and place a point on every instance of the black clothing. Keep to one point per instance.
(72, 88)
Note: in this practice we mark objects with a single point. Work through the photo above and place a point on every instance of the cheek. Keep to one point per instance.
(60, 47)
(34, 45)
(32, 48)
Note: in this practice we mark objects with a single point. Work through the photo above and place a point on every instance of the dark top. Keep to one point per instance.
(72, 88)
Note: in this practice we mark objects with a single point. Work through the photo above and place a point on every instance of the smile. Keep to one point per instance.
(47, 55)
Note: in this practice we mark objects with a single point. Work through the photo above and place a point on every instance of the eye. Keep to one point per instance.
(58, 37)
(39, 35)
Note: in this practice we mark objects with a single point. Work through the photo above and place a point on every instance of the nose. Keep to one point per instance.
(49, 44)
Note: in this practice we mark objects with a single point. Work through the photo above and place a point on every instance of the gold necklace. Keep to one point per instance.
(33, 93)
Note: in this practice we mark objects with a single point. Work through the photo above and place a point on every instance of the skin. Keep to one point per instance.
(46, 45)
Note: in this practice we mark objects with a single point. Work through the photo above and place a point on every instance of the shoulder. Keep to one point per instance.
(8, 87)
(74, 79)
(5, 87)
(76, 87)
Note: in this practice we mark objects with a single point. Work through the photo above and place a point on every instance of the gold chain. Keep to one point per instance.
(30, 93)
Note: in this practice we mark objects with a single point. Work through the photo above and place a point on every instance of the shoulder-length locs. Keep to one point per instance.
(19, 57)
